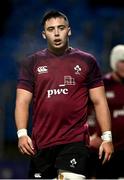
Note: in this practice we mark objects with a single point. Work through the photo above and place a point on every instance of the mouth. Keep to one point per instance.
(57, 41)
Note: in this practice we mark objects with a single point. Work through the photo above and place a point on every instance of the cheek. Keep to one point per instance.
(120, 67)
(49, 38)
(120, 64)
(120, 70)
(65, 36)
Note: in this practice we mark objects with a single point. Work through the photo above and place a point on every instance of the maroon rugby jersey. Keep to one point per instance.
(60, 94)
(115, 97)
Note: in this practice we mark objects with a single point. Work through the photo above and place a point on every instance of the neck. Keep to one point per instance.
(58, 51)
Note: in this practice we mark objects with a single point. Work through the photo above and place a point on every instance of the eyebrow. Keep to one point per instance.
(57, 26)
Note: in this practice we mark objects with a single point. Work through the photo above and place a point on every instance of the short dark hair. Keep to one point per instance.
(53, 14)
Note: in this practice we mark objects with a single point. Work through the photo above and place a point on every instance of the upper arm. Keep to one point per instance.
(97, 95)
(23, 96)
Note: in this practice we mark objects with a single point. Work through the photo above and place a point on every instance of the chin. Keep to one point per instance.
(58, 46)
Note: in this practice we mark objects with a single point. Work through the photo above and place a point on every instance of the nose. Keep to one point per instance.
(56, 32)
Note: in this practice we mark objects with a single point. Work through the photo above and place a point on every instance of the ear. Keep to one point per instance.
(69, 31)
(43, 34)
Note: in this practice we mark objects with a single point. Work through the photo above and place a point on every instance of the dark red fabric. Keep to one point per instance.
(60, 94)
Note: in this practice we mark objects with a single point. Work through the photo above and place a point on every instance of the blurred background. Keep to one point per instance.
(97, 26)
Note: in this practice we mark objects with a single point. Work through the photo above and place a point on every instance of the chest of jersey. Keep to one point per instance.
(59, 76)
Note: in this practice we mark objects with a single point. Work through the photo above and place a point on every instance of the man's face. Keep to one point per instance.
(120, 68)
(56, 31)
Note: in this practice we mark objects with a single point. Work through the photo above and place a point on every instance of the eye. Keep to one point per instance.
(50, 29)
(61, 27)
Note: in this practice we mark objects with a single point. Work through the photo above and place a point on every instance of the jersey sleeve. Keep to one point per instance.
(94, 76)
(26, 75)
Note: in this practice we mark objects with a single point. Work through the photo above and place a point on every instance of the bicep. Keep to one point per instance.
(97, 94)
(23, 99)
(23, 96)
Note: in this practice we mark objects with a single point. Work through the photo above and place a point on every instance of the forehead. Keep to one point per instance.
(55, 21)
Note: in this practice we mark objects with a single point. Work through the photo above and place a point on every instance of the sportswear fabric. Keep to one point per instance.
(113, 169)
(59, 85)
(72, 157)
(115, 97)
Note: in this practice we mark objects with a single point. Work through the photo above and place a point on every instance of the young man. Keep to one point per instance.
(114, 86)
(59, 81)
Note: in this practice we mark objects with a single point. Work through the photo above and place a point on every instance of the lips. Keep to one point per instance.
(57, 41)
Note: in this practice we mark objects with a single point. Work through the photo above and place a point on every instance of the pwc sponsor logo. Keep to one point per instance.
(68, 81)
(51, 92)
(118, 112)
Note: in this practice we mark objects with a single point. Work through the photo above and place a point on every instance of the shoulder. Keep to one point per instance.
(32, 57)
(36, 54)
(108, 78)
(82, 53)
